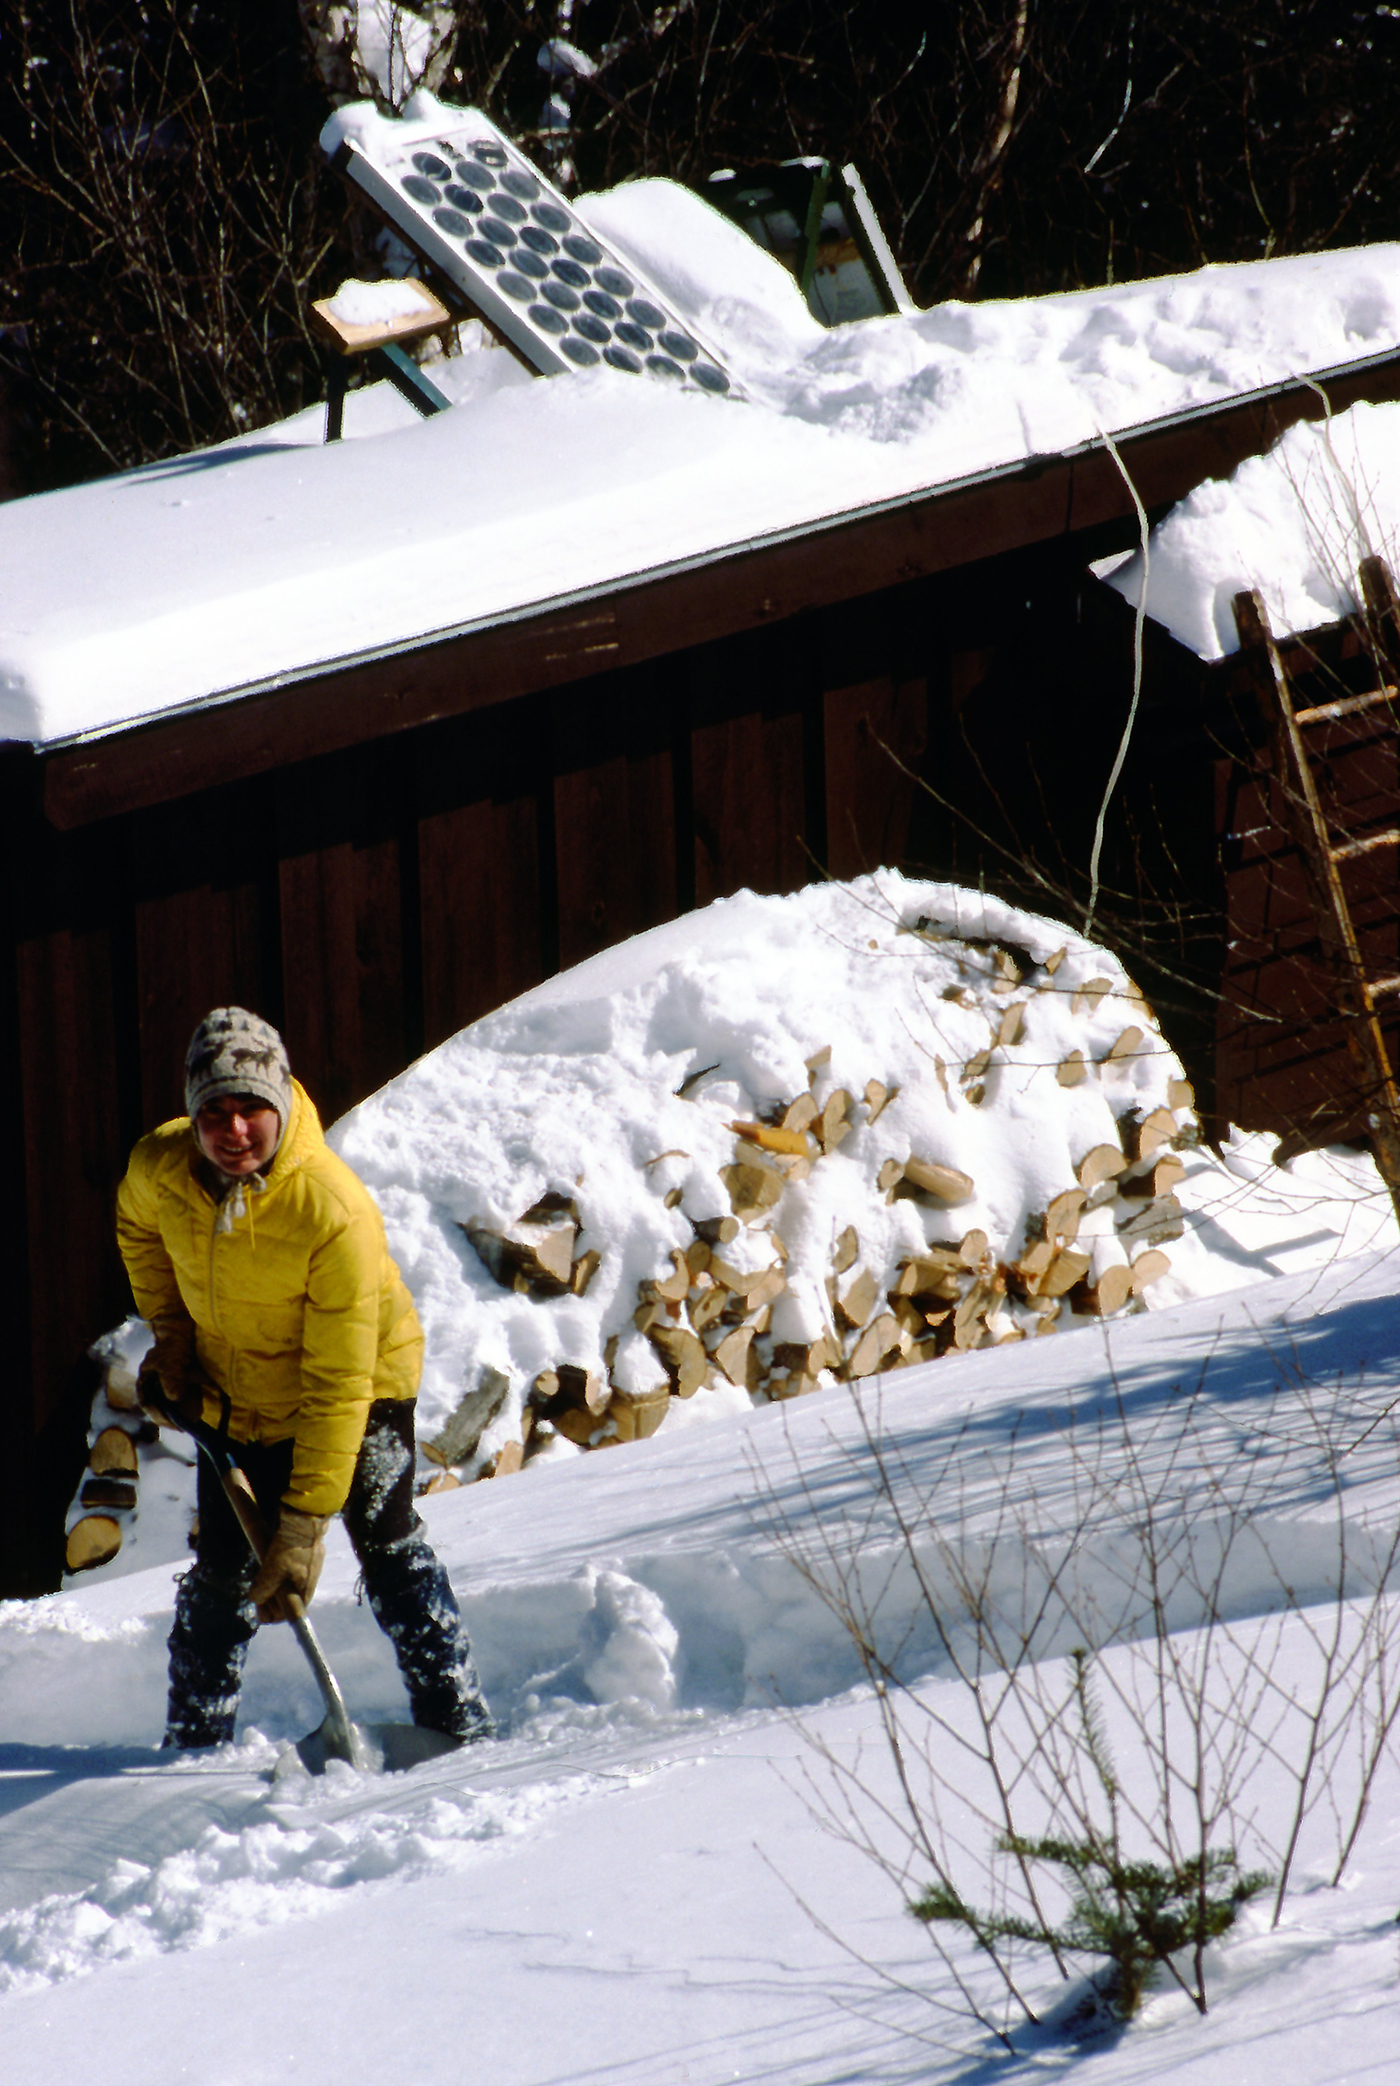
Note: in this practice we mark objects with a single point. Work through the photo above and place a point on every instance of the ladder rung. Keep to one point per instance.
(1345, 706)
(1350, 849)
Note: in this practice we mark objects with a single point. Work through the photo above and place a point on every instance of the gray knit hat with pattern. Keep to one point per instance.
(235, 1052)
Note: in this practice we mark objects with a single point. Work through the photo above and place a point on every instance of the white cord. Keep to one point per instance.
(1112, 448)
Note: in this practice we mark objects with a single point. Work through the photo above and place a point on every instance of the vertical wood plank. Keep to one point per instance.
(341, 911)
(479, 782)
(198, 917)
(748, 767)
(868, 797)
(614, 812)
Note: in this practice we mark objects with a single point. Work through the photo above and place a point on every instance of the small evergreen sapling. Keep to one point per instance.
(1139, 1914)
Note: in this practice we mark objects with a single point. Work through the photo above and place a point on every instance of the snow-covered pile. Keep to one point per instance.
(1295, 524)
(277, 554)
(991, 1138)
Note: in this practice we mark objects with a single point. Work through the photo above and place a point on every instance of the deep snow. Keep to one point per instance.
(615, 1890)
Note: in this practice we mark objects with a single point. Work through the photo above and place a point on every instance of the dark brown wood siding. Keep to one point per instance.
(374, 899)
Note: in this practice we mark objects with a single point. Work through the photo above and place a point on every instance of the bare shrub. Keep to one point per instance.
(1173, 1642)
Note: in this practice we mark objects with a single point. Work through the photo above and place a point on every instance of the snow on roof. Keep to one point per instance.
(1295, 524)
(275, 556)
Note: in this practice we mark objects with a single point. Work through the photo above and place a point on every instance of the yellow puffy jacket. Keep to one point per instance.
(290, 1303)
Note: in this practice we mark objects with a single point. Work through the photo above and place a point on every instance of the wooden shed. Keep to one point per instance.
(376, 854)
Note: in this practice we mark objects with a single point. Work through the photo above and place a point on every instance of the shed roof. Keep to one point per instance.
(275, 558)
(1295, 524)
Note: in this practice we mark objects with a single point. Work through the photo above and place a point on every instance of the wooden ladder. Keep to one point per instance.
(1326, 850)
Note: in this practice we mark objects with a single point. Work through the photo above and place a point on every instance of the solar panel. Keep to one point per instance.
(488, 221)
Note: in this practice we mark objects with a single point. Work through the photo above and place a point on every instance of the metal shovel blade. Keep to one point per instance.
(372, 1748)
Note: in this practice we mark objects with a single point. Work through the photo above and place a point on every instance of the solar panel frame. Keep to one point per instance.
(560, 285)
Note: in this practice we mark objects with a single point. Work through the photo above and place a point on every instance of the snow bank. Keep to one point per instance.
(1295, 524)
(274, 555)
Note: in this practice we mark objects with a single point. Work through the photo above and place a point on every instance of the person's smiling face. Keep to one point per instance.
(238, 1133)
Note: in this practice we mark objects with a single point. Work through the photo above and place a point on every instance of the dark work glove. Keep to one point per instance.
(169, 1403)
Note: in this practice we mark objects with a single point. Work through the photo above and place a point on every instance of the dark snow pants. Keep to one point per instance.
(408, 1589)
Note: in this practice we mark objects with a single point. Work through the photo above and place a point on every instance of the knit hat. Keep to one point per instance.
(235, 1052)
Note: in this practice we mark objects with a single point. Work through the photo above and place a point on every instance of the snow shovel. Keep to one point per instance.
(378, 1747)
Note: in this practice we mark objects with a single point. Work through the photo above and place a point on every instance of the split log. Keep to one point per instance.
(709, 1307)
(889, 1178)
(1052, 963)
(117, 1494)
(583, 1271)
(537, 1257)
(1115, 1286)
(1100, 1164)
(752, 1189)
(1073, 1071)
(935, 1273)
(944, 1182)
(878, 1097)
(1012, 1025)
(1087, 997)
(458, 1439)
(674, 1287)
(772, 1138)
(1155, 1130)
(686, 1360)
(793, 1385)
(697, 1255)
(1167, 1173)
(1033, 1264)
(846, 1250)
(754, 1286)
(1149, 1268)
(874, 1344)
(836, 1119)
(1062, 1217)
(637, 1414)
(733, 1354)
(974, 1249)
(1180, 1094)
(717, 1231)
(817, 1062)
(93, 1541)
(509, 1458)
(1065, 1270)
(114, 1454)
(443, 1481)
(801, 1113)
(577, 1424)
(859, 1301)
(1125, 1046)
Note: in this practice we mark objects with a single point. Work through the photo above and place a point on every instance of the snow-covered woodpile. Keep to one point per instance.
(781, 1144)
(710, 1317)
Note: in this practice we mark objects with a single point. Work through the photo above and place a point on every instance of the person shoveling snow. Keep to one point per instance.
(282, 1324)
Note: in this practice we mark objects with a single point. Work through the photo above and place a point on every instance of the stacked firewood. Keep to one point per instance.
(105, 1503)
(714, 1315)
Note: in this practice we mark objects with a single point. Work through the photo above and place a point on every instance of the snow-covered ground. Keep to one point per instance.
(631, 1884)
(274, 555)
(659, 1871)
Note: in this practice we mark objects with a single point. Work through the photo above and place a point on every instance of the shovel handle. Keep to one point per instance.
(250, 1519)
